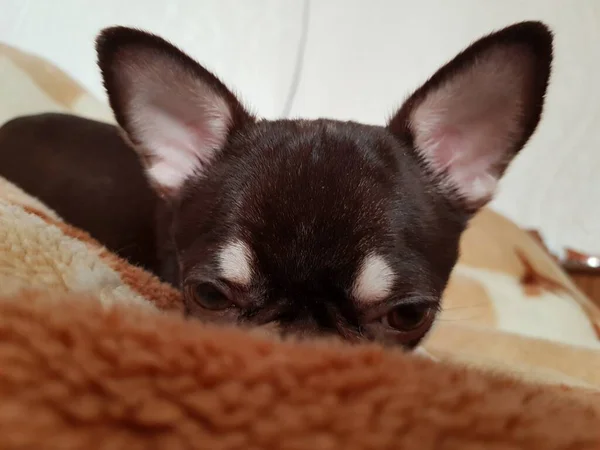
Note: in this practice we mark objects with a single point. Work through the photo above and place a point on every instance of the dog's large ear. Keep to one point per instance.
(474, 114)
(176, 113)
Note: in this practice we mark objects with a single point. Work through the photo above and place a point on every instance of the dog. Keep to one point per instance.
(87, 173)
(309, 227)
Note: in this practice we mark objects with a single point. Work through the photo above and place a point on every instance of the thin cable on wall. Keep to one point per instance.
(289, 102)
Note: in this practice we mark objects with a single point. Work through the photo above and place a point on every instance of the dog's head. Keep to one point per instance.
(322, 226)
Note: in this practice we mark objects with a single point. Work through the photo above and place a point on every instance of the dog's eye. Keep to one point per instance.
(410, 318)
(208, 296)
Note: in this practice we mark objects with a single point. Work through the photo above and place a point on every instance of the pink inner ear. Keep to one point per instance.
(181, 138)
(174, 115)
(460, 157)
(443, 144)
(471, 122)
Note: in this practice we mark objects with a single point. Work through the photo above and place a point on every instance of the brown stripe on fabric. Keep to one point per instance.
(49, 78)
(144, 283)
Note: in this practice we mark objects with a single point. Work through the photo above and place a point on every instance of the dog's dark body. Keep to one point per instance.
(85, 171)
(311, 226)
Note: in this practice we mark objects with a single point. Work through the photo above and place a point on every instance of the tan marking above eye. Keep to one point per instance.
(235, 262)
(374, 279)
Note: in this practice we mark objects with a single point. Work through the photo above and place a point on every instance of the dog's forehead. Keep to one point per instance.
(316, 198)
(329, 142)
(301, 202)
(304, 165)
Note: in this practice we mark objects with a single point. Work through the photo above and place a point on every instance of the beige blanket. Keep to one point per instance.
(94, 353)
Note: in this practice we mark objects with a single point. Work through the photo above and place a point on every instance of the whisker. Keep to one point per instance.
(458, 319)
(454, 308)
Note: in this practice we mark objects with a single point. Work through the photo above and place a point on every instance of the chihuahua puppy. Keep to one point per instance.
(317, 227)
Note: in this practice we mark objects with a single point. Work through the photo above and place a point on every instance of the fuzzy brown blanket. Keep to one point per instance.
(94, 354)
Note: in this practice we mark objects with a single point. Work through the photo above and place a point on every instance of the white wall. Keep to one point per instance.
(252, 47)
(362, 57)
